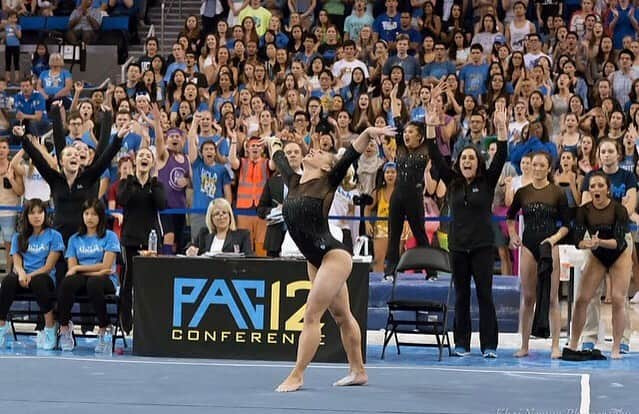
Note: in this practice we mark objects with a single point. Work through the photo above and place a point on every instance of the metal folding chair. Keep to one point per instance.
(430, 316)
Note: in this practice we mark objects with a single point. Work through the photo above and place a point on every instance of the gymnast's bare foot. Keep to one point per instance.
(521, 353)
(555, 353)
(290, 384)
(353, 378)
(615, 354)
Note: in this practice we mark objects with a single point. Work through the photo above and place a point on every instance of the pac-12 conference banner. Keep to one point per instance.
(239, 308)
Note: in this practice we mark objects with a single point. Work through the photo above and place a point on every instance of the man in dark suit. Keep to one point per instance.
(270, 205)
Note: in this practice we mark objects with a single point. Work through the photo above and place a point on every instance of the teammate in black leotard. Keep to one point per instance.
(407, 200)
(305, 212)
(606, 221)
(543, 205)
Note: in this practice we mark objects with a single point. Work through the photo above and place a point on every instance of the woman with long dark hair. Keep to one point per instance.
(407, 201)
(91, 257)
(586, 155)
(470, 190)
(358, 86)
(487, 33)
(458, 49)
(606, 222)
(35, 249)
(40, 59)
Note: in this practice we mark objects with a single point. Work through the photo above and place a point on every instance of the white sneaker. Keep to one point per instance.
(4, 335)
(50, 338)
(66, 341)
(39, 339)
(635, 298)
(104, 345)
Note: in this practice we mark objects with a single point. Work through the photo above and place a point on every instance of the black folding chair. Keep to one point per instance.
(32, 314)
(430, 316)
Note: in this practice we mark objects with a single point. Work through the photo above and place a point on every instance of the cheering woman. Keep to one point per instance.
(305, 212)
(142, 197)
(407, 201)
(606, 222)
(543, 205)
(471, 188)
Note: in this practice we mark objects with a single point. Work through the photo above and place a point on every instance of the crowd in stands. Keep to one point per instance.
(315, 74)
(80, 21)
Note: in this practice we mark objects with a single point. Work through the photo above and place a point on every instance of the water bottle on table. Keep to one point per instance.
(153, 242)
(108, 339)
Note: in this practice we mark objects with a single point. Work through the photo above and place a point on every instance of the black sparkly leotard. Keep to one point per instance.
(542, 209)
(611, 222)
(306, 207)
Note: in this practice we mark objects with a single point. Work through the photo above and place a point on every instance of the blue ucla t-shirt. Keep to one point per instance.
(11, 34)
(474, 77)
(387, 27)
(208, 182)
(39, 248)
(89, 250)
(53, 84)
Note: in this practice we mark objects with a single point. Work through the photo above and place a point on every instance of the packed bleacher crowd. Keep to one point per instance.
(315, 75)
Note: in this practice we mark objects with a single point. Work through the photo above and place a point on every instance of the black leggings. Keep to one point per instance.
(96, 287)
(408, 204)
(41, 286)
(12, 53)
(126, 281)
(477, 263)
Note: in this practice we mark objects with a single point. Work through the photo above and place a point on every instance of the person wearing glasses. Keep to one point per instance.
(533, 46)
(221, 234)
(441, 66)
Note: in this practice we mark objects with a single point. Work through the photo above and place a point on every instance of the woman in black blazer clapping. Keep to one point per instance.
(220, 234)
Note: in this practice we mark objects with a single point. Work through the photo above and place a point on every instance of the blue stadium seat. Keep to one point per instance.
(33, 23)
(60, 23)
(115, 23)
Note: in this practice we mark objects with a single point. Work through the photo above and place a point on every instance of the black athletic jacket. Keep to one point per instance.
(470, 203)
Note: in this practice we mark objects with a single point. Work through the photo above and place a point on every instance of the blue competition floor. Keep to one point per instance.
(34, 381)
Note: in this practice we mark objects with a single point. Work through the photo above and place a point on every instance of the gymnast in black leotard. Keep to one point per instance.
(543, 205)
(305, 212)
(606, 222)
(308, 204)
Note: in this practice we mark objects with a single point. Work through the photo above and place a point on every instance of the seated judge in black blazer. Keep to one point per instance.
(220, 234)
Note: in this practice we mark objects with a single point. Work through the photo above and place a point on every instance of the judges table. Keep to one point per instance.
(235, 308)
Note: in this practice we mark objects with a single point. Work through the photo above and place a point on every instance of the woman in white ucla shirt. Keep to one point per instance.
(91, 257)
(35, 251)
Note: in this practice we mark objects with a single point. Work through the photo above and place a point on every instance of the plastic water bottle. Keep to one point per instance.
(153, 241)
(108, 338)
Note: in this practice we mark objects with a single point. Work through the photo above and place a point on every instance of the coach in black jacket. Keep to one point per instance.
(273, 195)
